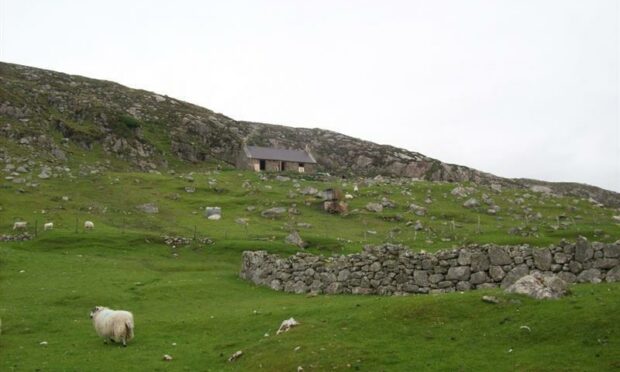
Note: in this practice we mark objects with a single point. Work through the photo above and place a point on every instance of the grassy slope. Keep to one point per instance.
(197, 301)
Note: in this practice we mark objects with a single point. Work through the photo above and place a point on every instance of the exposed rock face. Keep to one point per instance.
(393, 269)
(148, 130)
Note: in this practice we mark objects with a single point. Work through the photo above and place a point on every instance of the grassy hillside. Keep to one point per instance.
(189, 302)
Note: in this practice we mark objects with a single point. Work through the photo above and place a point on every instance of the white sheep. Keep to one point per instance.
(20, 225)
(48, 226)
(89, 225)
(348, 196)
(113, 325)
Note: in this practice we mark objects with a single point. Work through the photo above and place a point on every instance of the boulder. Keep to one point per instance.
(514, 275)
(213, 211)
(459, 191)
(471, 203)
(589, 276)
(539, 287)
(273, 212)
(310, 191)
(613, 275)
(417, 210)
(374, 207)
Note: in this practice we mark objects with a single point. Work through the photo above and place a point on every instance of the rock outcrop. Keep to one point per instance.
(55, 117)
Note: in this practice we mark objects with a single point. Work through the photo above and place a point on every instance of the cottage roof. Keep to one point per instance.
(267, 153)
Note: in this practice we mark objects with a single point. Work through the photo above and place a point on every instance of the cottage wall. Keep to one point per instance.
(272, 165)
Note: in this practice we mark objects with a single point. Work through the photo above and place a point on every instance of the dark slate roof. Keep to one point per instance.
(267, 153)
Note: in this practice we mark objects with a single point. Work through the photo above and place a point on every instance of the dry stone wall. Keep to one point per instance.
(393, 269)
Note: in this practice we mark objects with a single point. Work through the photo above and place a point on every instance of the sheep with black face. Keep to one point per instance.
(113, 325)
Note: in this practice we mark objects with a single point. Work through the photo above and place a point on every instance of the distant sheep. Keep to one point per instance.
(113, 325)
(348, 196)
(89, 225)
(20, 225)
(48, 226)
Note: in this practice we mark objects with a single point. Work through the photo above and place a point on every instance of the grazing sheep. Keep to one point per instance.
(348, 196)
(113, 325)
(89, 225)
(20, 225)
(48, 226)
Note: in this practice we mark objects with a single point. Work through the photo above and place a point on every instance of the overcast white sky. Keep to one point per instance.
(515, 88)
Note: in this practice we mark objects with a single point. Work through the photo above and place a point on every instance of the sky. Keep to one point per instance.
(515, 88)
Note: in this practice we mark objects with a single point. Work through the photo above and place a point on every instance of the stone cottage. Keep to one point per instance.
(276, 160)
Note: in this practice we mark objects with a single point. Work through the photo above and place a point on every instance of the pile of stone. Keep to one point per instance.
(393, 269)
(17, 237)
(180, 240)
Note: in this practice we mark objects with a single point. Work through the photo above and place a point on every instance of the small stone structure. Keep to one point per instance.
(276, 160)
(393, 269)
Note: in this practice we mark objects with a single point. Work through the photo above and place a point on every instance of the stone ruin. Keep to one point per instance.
(395, 270)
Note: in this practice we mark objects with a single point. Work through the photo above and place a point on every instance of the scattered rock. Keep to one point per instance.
(167, 358)
(236, 355)
(374, 207)
(213, 213)
(471, 203)
(295, 239)
(273, 212)
(490, 299)
(417, 210)
(148, 208)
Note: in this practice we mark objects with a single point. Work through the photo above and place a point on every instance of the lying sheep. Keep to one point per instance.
(48, 226)
(89, 225)
(20, 225)
(113, 325)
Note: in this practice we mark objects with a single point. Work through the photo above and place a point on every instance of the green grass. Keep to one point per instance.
(196, 300)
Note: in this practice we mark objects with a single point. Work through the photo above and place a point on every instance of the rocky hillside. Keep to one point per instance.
(49, 119)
